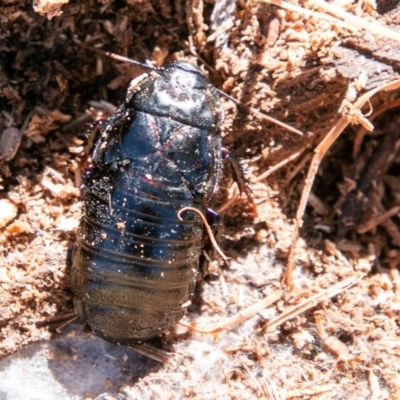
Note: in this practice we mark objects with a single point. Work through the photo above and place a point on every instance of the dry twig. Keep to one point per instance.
(311, 302)
(349, 21)
(239, 318)
(320, 152)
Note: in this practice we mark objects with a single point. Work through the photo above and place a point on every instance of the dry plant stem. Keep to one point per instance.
(320, 327)
(276, 167)
(357, 22)
(151, 352)
(298, 168)
(9, 145)
(374, 386)
(311, 302)
(239, 318)
(258, 387)
(388, 224)
(378, 220)
(272, 391)
(228, 203)
(222, 281)
(56, 320)
(376, 164)
(350, 21)
(62, 326)
(225, 27)
(362, 131)
(331, 343)
(302, 393)
(309, 13)
(320, 151)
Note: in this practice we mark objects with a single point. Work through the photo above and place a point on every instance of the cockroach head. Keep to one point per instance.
(181, 91)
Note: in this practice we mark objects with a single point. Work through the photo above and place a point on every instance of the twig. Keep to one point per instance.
(357, 22)
(276, 167)
(320, 151)
(58, 320)
(271, 389)
(311, 302)
(302, 393)
(151, 352)
(351, 22)
(388, 224)
(309, 13)
(226, 205)
(379, 219)
(240, 317)
(362, 131)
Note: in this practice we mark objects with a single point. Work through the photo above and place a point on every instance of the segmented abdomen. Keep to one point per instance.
(135, 263)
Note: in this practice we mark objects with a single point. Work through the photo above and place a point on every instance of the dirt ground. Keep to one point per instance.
(335, 333)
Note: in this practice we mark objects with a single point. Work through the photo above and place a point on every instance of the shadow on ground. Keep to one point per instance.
(75, 365)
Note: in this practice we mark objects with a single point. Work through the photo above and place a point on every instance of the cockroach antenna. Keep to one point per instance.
(115, 56)
(127, 60)
(260, 114)
(222, 93)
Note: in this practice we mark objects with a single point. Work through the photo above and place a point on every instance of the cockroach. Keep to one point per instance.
(155, 168)
(135, 262)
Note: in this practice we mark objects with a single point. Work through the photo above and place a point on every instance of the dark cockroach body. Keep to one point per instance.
(134, 264)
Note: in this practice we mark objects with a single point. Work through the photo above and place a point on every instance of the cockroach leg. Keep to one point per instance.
(240, 179)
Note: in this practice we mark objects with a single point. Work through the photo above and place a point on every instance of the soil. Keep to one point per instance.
(306, 70)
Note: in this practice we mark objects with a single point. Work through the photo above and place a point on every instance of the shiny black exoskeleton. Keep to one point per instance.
(134, 264)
